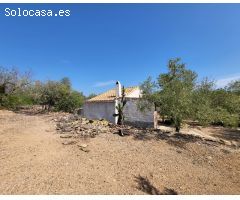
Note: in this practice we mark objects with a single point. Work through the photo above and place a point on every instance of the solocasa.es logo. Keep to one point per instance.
(35, 12)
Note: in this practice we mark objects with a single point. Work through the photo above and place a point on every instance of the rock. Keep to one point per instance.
(210, 139)
(225, 151)
(80, 132)
(67, 129)
(104, 130)
(84, 121)
(234, 144)
(209, 157)
(65, 136)
(86, 126)
(178, 151)
(228, 143)
(69, 142)
(94, 130)
(84, 149)
(83, 145)
(221, 141)
(74, 124)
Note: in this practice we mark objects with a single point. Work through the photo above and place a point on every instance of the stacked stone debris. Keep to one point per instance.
(74, 124)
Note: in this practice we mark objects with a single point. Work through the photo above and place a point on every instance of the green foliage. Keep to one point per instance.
(10, 102)
(66, 81)
(227, 100)
(202, 102)
(149, 95)
(222, 117)
(13, 88)
(176, 90)
(16, 90)
(221, 106)
(52, 92)
(234, 87)
(70, 102)
(13, 101)
(178, 97)
(58, 95)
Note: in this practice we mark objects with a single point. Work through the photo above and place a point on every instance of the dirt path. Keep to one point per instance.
(34, 161)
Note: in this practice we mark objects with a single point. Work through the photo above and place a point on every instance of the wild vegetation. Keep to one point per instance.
(18, 89)
(177, 96)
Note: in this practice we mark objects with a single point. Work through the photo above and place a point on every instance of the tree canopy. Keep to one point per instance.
(18, 89)
(178, 96)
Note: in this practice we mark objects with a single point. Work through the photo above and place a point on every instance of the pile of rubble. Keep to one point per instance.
(74, 124)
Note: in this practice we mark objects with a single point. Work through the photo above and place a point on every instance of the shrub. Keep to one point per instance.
(224, 118)
(14, 101)
(70, 102)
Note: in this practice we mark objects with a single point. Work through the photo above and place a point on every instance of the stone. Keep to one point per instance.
(104, 130)
(221, 141)
(74, 124)
(228, 143)
(80, 132)
(69, 142)
(178, 151)
(84, 149)
(234, 144)
(85, 126)
(67, 129)
(209, 157)
(65, 136)
(83, 145)
(225, 151)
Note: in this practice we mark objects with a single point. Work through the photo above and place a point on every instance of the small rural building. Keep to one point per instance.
(103, 106)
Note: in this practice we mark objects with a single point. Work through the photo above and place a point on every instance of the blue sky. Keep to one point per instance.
(100, 43)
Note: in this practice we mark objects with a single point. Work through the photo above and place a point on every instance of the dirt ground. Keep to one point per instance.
(33, 160)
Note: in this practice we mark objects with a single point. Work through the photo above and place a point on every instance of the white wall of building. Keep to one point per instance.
(99, 110)
(134, 115)
(105, 110)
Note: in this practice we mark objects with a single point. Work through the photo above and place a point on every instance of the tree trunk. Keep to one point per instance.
(177, 129)
(155, 119)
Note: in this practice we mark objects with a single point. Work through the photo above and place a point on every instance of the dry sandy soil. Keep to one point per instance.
(33, 160)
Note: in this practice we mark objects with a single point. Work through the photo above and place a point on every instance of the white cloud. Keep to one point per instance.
(103, 84)
(224, 81)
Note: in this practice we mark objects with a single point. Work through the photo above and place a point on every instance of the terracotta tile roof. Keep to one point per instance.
(110, 95)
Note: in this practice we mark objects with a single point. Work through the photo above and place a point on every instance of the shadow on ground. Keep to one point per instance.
(145, 185)
(227, 134)
(31, 112)
(177, 139)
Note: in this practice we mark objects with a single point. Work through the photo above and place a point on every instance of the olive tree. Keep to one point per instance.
(13, 87)
(172, 94)
(57, 95)
(203, 110)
